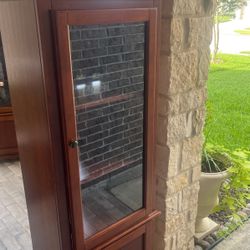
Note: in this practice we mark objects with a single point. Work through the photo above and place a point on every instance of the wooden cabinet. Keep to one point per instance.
(83, 85)
(8, 143)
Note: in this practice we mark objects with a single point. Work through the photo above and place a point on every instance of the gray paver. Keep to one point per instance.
(240, 239)
(14, 223)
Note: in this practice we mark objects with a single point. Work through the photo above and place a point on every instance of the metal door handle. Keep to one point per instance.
(73, 143)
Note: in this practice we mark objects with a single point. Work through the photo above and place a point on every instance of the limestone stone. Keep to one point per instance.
(174, 159)
(184, 34)
(168, 105)
(184, 7)
(193, 99)
(189, 124)
(173, 242)
(168, 160)
(191, 32)
(204, 61)
(205, 7)
(184, 71)
(190, 245)
(205, 32)
(191, 152)
(170, 207)
(168, 243)
(176, 128)
(178, 182)
(171, 226)
(195, 122)
(189, 198)
(181, 238)
(198, 120)
(191, 216)
(196, 173)
(186, 31)
(177, 34)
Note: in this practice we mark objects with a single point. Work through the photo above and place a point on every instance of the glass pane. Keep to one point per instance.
(4, 89)
(108, 73)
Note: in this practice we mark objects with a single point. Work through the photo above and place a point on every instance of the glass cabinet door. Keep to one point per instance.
(107, 74)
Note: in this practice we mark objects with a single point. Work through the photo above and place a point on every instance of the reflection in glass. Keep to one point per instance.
(108, 73)
(4, 89)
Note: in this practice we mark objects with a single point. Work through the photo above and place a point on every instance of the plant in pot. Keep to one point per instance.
(219, 164)
(214, 165)
(234, 192)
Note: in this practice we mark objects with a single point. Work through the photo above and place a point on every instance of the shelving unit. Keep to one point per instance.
(83, 87)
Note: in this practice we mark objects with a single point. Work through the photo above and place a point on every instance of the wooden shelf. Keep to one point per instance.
(107, 100)
(5, 109)
(95, 172)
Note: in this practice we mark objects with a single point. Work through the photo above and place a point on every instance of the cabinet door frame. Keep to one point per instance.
(62, 21)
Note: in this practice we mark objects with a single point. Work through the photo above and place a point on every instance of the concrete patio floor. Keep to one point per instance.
(240, 239)
(14, 224)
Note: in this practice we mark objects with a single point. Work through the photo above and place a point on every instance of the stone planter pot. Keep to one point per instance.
(208, 198)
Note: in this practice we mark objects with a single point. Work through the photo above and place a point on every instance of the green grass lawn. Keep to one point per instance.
(223, 19)
(243, 32)
(228, 105)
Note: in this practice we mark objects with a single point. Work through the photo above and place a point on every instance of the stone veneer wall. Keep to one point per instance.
(186, 27)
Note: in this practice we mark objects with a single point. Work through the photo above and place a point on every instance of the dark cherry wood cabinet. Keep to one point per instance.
(8, 143)
(83, 85)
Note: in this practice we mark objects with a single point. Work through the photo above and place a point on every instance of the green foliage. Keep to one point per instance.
(234, 224)
(228, 7)
(223, 19)
(215, 159)
(235, 191)
(243, 32)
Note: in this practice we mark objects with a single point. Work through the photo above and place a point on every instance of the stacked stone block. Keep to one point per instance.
(186, 27)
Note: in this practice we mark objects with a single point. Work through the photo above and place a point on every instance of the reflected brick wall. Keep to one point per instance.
(108, 72)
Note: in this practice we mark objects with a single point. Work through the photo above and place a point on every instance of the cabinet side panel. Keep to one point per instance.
(24, 68)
